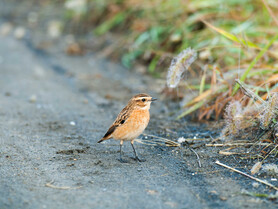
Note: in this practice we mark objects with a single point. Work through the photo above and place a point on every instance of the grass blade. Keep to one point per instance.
(231, 36)
(255, 60)
(191, 109)
(203, 81)
(109, 24)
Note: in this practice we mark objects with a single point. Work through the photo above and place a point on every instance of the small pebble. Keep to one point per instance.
(255, 184)
(33, 98)
(223, 198)
(54, 29)
(68, 137)
(39, 72)
(19, 32)
(181, 140)
(72, 123)
(6, 29)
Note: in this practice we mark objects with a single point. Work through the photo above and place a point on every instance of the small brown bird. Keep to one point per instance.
(131, 122)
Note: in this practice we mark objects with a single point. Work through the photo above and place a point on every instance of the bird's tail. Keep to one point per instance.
(101, 140)
(104, 138)
(108, 134)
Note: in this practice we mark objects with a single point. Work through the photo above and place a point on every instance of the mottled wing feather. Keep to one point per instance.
(122, 117)
(120, 120)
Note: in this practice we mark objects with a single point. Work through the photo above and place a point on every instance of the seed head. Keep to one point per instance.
(233, 117)
(179, 65)
(269, 112)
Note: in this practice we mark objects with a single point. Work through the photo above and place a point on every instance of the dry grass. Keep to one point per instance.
(233, 39)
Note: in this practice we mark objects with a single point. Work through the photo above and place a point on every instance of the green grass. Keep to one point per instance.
(227, 34)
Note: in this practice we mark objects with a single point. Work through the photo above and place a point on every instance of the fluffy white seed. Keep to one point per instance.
(179, 65)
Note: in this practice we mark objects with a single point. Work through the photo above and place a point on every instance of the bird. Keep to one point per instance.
(131, 122)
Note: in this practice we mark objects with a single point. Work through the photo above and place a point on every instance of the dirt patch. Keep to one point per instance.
(72, 151)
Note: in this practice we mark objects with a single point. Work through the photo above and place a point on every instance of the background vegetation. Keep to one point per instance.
(233, 39)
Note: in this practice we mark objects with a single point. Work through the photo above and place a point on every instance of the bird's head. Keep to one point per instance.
(142, 101)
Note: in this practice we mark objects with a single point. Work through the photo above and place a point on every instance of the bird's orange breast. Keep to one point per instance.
(133, 126)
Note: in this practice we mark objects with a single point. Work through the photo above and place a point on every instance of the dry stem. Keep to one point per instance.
(245, 174)
(50, 184)
(168, 143)
(236, 144)
(249, 93)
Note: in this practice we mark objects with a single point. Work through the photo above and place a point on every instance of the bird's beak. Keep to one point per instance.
(153, 99)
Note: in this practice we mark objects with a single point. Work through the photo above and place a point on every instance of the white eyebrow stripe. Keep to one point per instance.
(138, 98)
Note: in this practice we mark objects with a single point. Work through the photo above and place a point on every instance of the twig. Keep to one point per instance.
(168, 142)
(236, 144)
(270, 152)
(248, 92)
(229, 153)
(245, 174)
(214, 140)
(271, 126)
(270, 12)
(50, 184)
(148, 142)
(192, 150)
(165, 140)
(198, 159)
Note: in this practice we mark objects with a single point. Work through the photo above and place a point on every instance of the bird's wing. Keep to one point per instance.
(120, 120)
(122, 117)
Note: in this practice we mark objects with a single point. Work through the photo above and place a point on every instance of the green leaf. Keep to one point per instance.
(232, 36)
(203, 82)
(191, 109)
(141, 39)
(254, 61)
(110, 23)
(153, 64)
(128, 58)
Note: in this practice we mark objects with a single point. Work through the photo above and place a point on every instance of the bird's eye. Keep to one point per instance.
(143, 100)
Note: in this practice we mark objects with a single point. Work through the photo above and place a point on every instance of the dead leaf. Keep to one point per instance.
(255, 169)
(75, 49)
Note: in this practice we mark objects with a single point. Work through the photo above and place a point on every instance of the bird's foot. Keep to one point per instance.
(138, 159)
(122, 160)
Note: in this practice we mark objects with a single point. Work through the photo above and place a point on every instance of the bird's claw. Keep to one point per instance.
(122, 160)
(138, 159)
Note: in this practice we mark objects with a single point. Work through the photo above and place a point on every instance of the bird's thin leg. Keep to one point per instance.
(136, 156)
(121, 160)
